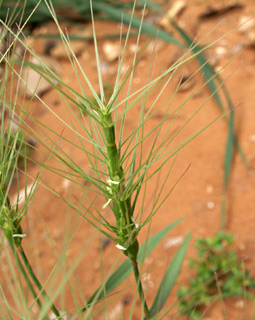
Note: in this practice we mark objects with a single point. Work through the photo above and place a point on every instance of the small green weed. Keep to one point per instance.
(219, 275)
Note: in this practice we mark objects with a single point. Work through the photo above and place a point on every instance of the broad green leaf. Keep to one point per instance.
(170, 277)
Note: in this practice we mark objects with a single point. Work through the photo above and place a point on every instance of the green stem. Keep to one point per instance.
(115, 168)
(37, 283)
(122, 207)
(140, 289)
(29, 284)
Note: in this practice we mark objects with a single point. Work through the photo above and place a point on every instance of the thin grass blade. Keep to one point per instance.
(170, 277)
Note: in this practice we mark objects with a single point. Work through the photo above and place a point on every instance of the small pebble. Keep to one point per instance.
(111, 51)
(210, 205)
(172, 242)
(115, 312)
(220, 51)
(32, 81)
(246, 24)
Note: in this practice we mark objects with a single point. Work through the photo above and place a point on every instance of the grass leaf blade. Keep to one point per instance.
(170, 277)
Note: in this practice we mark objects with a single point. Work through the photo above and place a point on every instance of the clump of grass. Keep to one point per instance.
(37, 12)
(14, 152)
(122, 162)
(218, 274)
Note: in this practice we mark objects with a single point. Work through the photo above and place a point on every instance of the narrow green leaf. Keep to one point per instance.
(125, 268)
(76, 37)
(170, 277)
(227, 167)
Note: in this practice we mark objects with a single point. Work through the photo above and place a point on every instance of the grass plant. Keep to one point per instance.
(122, 11)
(123, 162)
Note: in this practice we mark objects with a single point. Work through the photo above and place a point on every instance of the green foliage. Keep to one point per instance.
(42, 14)
(14, 152)
(16, 149)
(218, 274)
(124, 270)
(121, 166)
(169, 278)
(112, 10)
